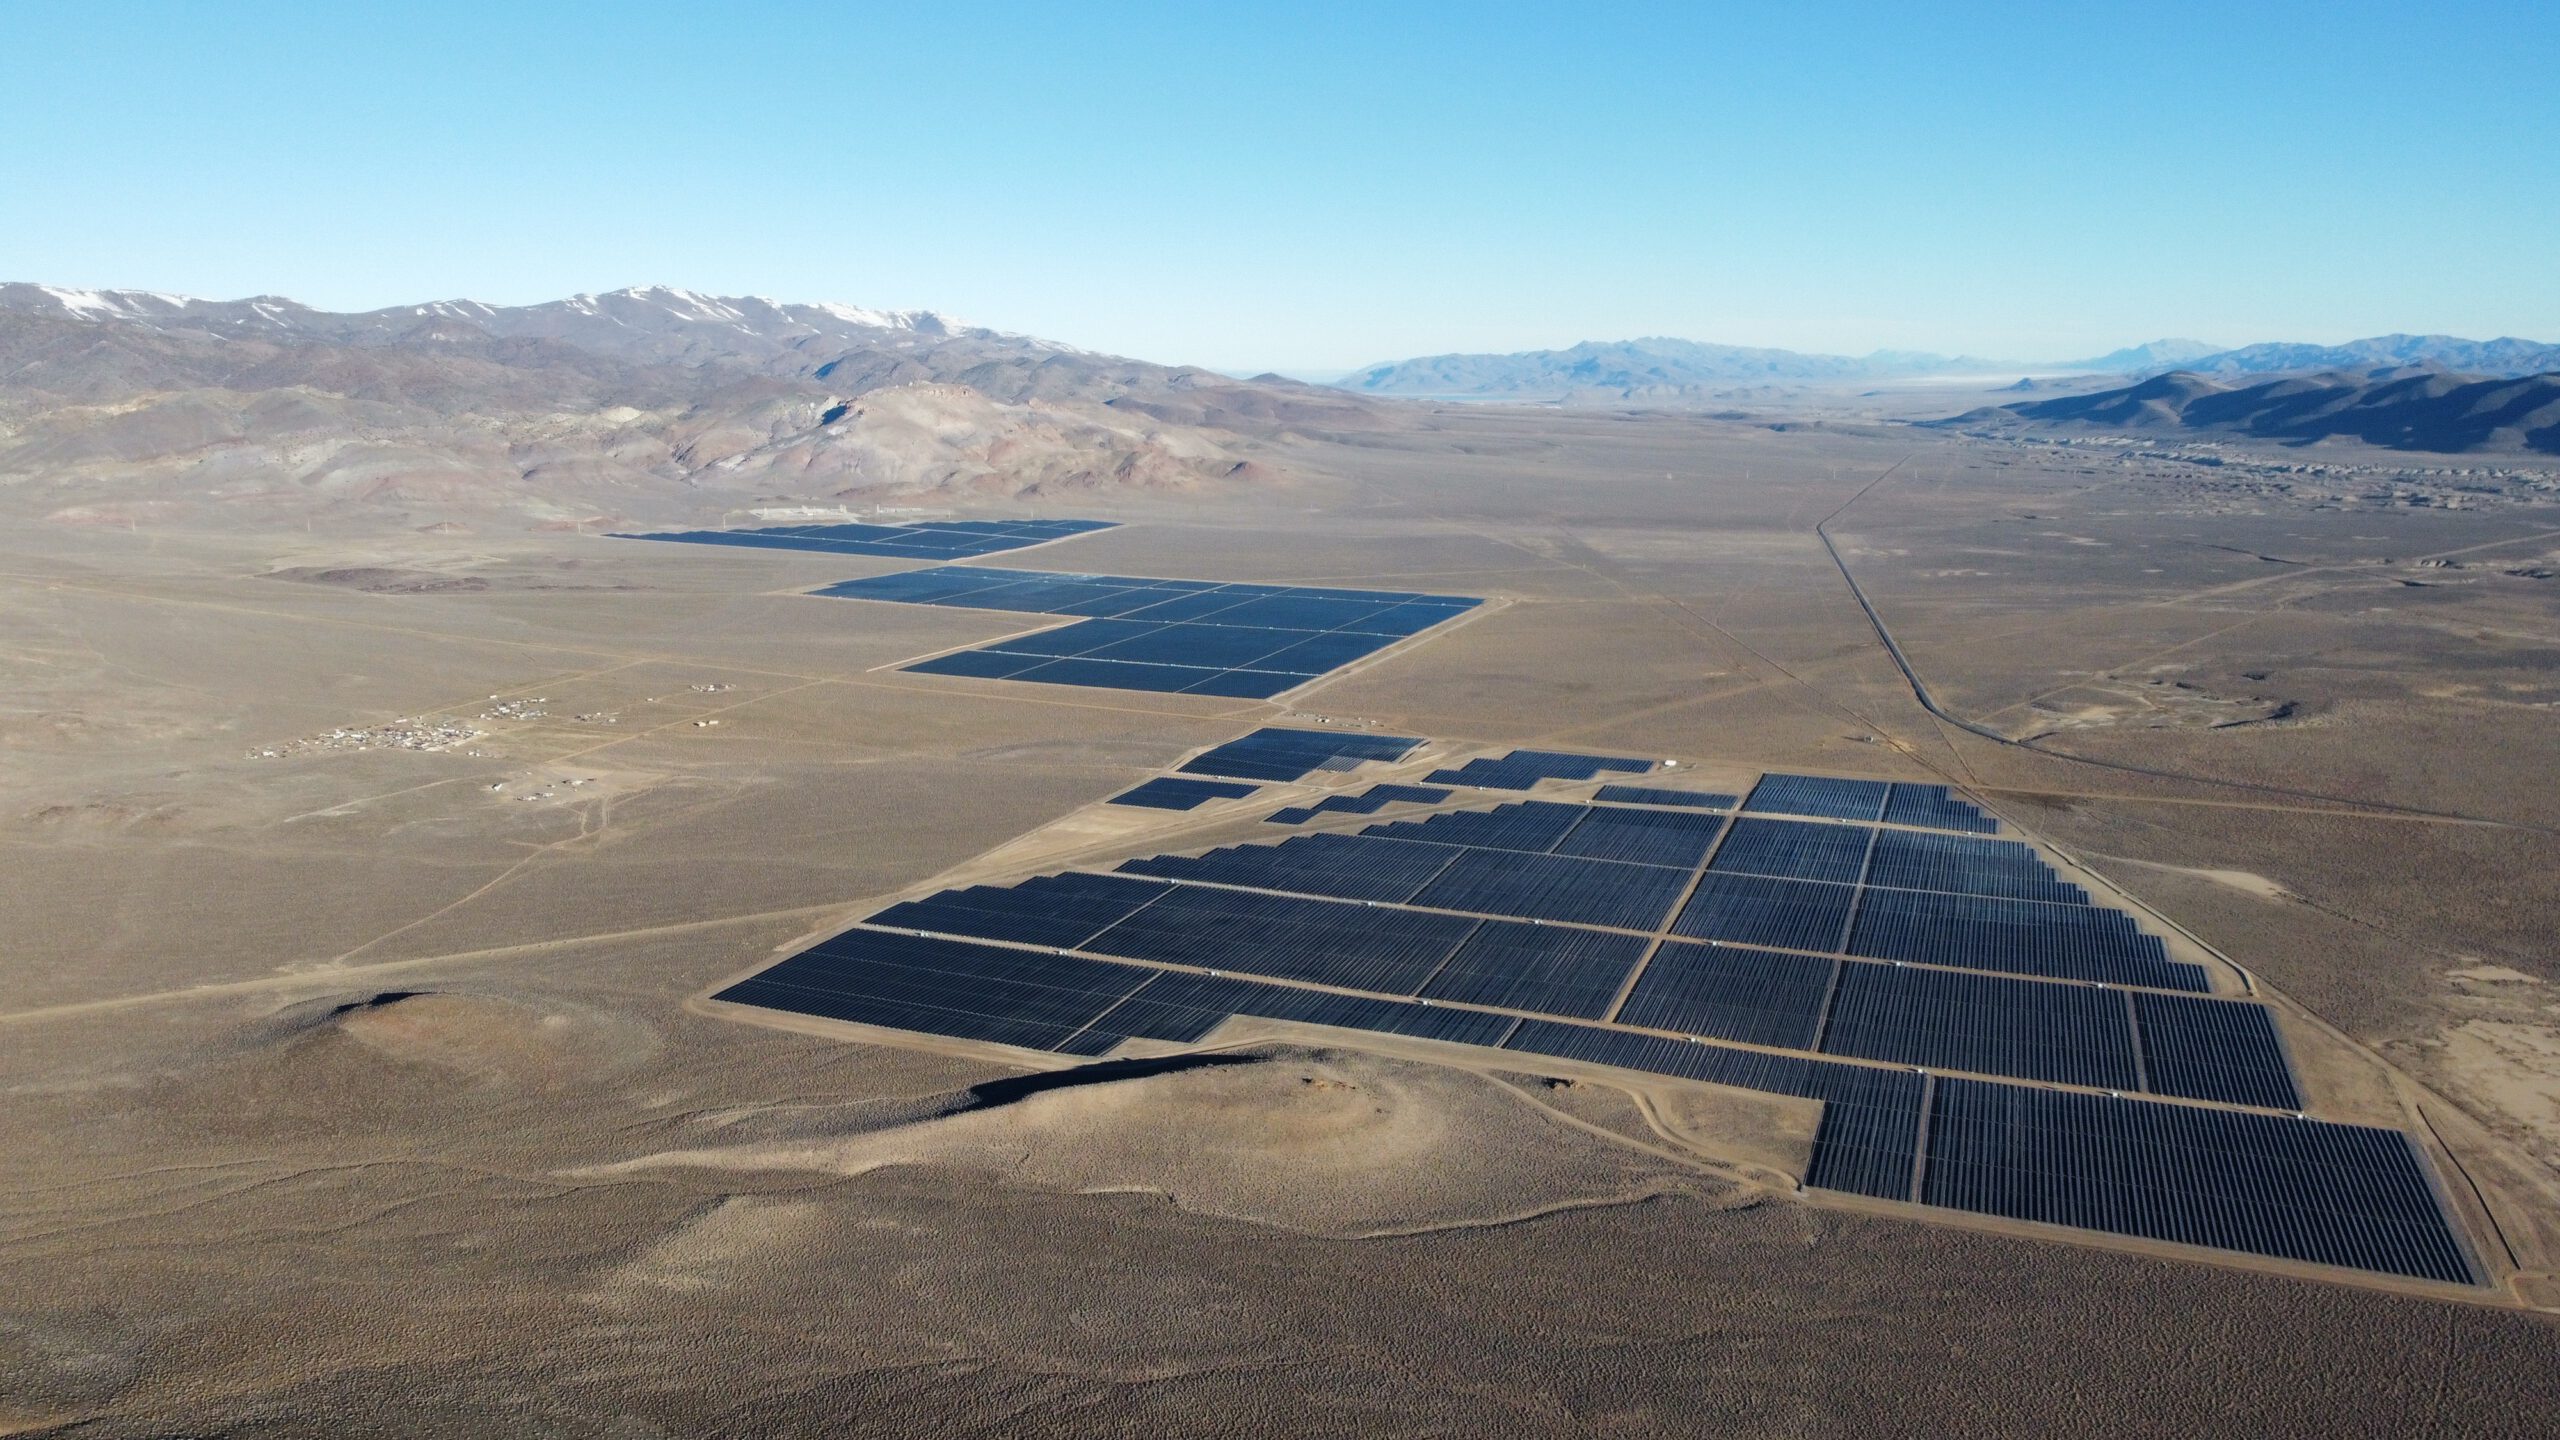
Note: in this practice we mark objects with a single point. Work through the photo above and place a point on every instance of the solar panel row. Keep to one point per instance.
(2213, 1050)
(1529, 825)
(1523, 768)
(1367, 802)
(1935, 807)
(1176, 636)
(1183, 1008)
(2233, 1179)
(1968, 865)
(1818, 795)
(2070, 1034)
(1061, 911)
(1554, 887)
(1794, 850)
(1758, 996)
(923, 540)
(1175, 793)
(1277, 753)
(1654, 795)
(1290, 937)
(1551, 969)
(2268, 1185)
(1158, 600)
(2018, 937)
(1870, 1122)
(942, 987)
(1643, 837)
(1766, 910)
(1349, 867)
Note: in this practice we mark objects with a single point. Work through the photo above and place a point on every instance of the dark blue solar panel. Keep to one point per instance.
(1289, 937)
(925, 539)
(1403, 795)
(1645, 837)
(1523, 768)
(1990, 1024)
(1757, 996)
(1350, 867)
(1213, 647)
(1399, 621)
(2224, 1050)
(1551, 969)
(1060, 911)
(978, 664)
(942, 987)
(1274, 753)
(1554, 887)
(1367, 802)
(2017, 937)
(1936, 808)
(2231, 1179)
(1242, 684)
(1965, 864)
(1531, 825)
(1171, 792)
(1107, 675)
(1869, 1139)
(1870, 1117)
(1065, 640)
(1234, 641)
(1763, 910)
(1654, 795)
(1319, 653)
(1184, 1008)
(1818, 795)
(1173, 606)
(1308, 611)
(1794, 850)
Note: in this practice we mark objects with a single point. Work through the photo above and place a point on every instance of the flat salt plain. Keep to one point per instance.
(2034, 1059)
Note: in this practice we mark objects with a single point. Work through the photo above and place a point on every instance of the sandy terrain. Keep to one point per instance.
(351, 1095)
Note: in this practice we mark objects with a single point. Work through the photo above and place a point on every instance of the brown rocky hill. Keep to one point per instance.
(2393, 407)
(634, 405)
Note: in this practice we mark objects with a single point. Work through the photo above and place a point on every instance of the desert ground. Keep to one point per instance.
(357, 1088)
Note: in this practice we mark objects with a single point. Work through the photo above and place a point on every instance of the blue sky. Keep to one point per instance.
(1311, 187)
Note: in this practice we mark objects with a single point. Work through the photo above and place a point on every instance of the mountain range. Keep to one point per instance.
(2394, 407)
(655, 400)
(1632, 368)
(1668, 369)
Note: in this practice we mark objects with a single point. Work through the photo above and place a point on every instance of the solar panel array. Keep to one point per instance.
(1523, 768)
(1175, 792)
(2234, 1179)
(1821, 795)
(1933, 807)
(1277, 753)
(1192, 637)
(1659, 939)
(1314, 910)
(1367, 802)
(1655, 795)
(921, 540)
